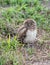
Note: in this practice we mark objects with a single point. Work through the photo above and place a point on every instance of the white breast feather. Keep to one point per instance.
(30, 36)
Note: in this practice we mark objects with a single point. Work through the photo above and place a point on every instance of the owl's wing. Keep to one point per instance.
(21, 31)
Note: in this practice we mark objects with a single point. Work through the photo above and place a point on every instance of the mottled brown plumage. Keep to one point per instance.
(26, 30)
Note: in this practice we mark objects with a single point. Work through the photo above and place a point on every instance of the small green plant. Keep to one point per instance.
(8, 41)
(2, 60)
(31, 51)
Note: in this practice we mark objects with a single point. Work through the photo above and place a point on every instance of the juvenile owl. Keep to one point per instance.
(27, 31)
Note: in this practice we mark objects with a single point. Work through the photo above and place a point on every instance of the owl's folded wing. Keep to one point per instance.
(21, 31)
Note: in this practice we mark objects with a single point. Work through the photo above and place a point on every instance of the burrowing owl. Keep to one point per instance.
(27, 31)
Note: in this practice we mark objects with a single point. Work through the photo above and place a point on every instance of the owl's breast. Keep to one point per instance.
(30, 36)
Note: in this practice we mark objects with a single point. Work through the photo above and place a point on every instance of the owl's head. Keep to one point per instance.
(30, 24)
